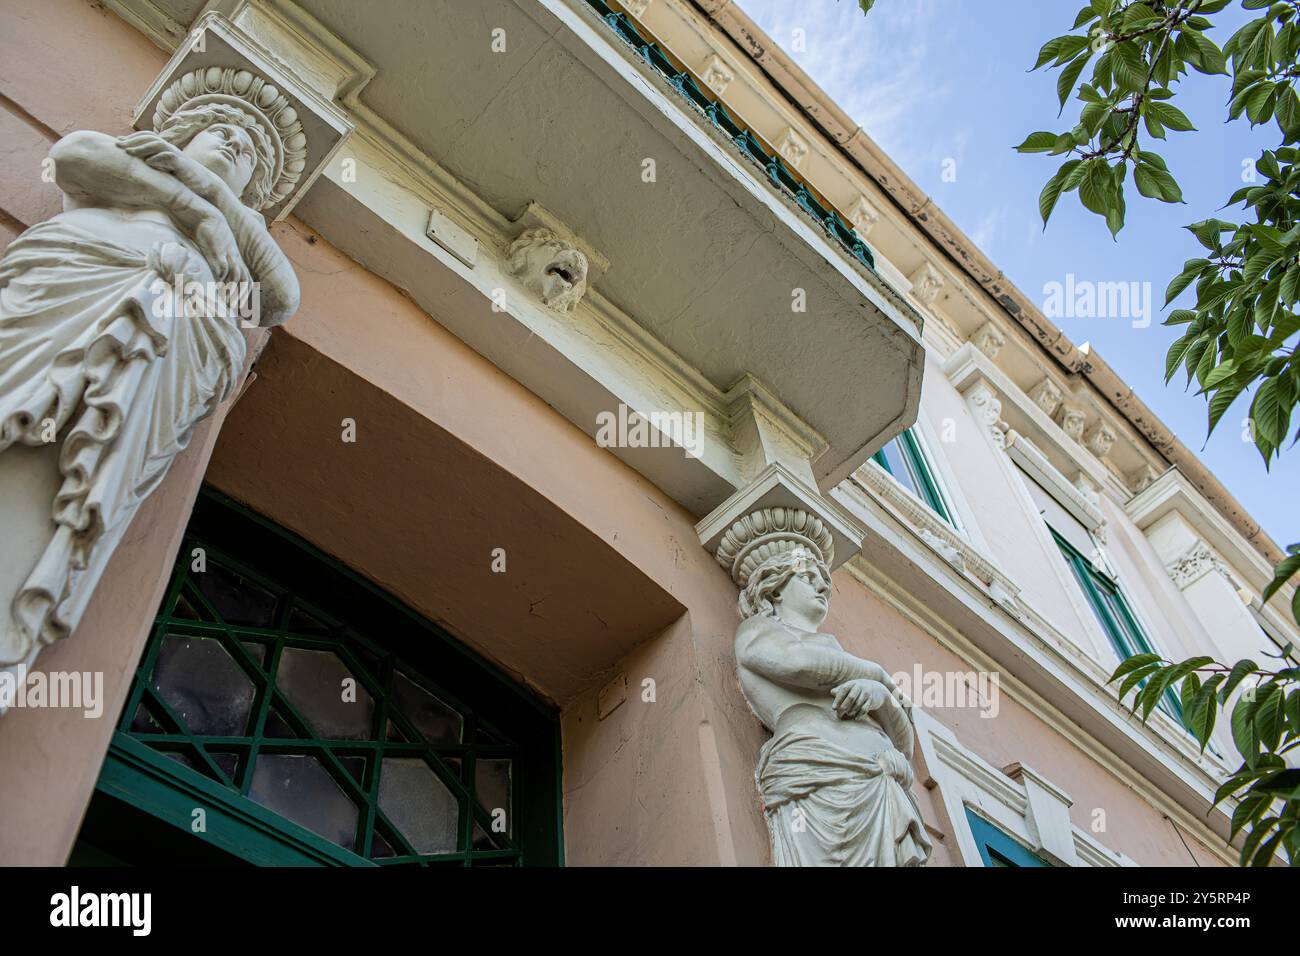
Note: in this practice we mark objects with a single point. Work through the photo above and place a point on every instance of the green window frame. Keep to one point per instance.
(905, 460)
(472, 737)
(1113, 613)
(997, 847)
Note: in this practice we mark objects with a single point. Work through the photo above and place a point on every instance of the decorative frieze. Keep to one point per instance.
(926, 283)
(1047, 396)
(717, 74)
(1099, 438)
(864, 216)
(988, 338)
(1072, 419)
(792, 147)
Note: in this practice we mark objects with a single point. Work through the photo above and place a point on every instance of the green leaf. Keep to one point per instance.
(1239, 672)
(1069, 76)
(1037, 143)
(1268, 716)
(1191, 269)
(1243, 730)
(1052, 191)
(1284, 571)
(1130, 664)
(1157, 184)
(1170, 116)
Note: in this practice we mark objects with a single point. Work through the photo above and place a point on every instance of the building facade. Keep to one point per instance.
(584, 285)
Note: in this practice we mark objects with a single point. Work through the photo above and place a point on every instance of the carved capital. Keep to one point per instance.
(1194, 564)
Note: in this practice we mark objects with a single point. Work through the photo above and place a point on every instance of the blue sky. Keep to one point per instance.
(939, 80)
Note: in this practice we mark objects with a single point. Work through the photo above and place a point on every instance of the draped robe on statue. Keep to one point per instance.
(828, 806)
(98, 347)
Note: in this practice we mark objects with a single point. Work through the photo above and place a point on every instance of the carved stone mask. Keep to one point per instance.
(549, 267)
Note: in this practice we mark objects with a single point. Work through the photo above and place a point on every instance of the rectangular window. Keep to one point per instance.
(998, 848)
(906, 462)
(1112, 612)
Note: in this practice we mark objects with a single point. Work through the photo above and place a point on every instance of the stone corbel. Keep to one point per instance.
(792, 147)
(986, 406)
(1141, 478)
(1047, 815)
(1099, 438)
(765, 432)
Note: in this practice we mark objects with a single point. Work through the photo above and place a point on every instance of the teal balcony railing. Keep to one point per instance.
(743, 138)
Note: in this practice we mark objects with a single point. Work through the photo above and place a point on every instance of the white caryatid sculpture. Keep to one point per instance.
(120, 319)
(836, 776)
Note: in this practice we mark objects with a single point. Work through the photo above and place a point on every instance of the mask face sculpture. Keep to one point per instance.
(836, 776)
(120, 326)
(549, 267)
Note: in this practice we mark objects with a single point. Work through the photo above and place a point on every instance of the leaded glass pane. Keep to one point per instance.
(492, 783)
(435, 720)
(203, 685)
(418, 804)
(300, 789)
(314, 682)
(236, 599)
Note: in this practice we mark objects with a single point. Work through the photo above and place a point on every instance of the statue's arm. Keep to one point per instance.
(896, 720)
(92, 170)
(269, 265)
(768, 648)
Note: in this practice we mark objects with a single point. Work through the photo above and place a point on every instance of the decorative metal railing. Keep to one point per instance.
(741, 136)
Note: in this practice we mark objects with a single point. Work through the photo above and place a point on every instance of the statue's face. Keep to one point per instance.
(228, 151)
(806, 595)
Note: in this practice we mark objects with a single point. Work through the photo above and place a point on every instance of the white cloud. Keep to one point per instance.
(877, 67)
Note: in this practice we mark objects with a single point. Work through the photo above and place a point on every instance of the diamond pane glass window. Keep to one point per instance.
(286, 690)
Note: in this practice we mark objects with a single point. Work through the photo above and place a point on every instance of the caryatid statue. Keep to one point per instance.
(836, 776)
(120, 320)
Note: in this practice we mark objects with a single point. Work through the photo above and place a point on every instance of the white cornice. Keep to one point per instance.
(969, 363)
